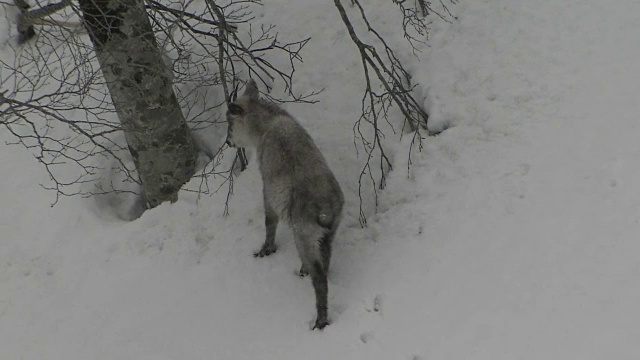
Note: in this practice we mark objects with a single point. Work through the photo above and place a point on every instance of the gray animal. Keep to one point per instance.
(298, 185)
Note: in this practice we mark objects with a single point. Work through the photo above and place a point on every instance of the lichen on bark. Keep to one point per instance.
(141, 90)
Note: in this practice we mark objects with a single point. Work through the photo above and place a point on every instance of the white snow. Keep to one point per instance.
(513, 236)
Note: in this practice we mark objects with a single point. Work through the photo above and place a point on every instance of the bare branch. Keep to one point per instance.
(222, 39)
(55, 101)
(27, 18)
(397, 90)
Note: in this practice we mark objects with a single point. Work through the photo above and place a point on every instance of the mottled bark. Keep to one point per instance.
(142, 94)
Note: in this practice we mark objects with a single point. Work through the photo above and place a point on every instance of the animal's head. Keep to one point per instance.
(241, 131)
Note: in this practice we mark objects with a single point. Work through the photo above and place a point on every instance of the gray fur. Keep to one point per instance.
(298, 185)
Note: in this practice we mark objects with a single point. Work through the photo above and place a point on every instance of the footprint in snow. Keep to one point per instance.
(376, 306)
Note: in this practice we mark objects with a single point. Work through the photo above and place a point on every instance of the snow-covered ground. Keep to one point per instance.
(514, 236)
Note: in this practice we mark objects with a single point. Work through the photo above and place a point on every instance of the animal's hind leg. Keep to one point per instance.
(325, 253)
(308, 243)
(271, 223)
(325, 248)
(321, 288)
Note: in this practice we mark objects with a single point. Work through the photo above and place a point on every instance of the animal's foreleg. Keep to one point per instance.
(271, 223)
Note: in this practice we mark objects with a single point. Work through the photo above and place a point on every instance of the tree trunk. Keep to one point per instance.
(142, 94)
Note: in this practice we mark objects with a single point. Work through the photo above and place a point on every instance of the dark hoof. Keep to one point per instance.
(303, 272)
(265, 251)
(320, 324)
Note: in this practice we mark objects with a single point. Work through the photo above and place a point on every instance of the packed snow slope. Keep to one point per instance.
(514, 236)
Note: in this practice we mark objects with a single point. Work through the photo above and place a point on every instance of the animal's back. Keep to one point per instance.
(298, 183)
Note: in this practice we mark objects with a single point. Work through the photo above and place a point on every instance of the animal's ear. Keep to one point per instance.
(234, 93)
(252, 90)
(235, 109)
